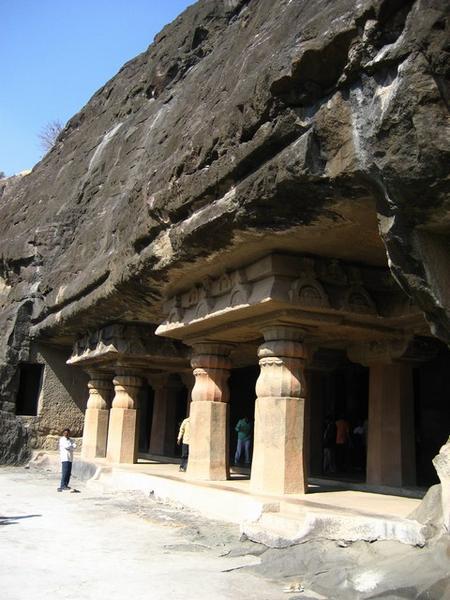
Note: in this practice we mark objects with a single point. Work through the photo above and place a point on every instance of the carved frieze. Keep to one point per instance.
(308, 292)
(358, 300)
(320, 287)
(121, 340)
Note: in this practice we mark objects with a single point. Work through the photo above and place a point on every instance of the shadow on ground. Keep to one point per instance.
(14, 520)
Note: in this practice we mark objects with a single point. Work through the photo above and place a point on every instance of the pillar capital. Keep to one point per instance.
(211, 364)
(100, 390)
(281, 342)
(212, 355)
(126, 388)
(210, 347)
(98, 374)
(282, 332)
(407, 350)
(377, 351)
(280, 357)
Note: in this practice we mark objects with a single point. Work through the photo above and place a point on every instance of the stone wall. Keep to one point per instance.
(61, 404)
(62, 399)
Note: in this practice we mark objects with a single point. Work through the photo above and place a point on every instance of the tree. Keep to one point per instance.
(49, 133)
(2, 175)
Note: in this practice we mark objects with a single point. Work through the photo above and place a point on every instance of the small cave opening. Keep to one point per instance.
(30, 382)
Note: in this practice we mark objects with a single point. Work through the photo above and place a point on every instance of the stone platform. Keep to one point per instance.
(277, 521)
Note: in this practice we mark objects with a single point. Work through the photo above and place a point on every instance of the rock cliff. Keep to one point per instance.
(243, 117)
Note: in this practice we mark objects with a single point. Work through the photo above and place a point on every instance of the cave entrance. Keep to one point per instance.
(432, 414)
(242, 384)
(338, 412)
(145, 418)
(181, 412)
(342, 392)
(30, 383)
(162, 408)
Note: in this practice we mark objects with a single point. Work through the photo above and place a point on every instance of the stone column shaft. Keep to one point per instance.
(278, 465)
(95, 432)
(122, 435)
(391, 439)
(209, 412)
(163, 434)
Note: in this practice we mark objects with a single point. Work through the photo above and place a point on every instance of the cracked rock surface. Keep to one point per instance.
(243, 117)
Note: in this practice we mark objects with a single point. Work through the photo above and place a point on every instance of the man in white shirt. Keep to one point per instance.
(66, 448)
(184, 438)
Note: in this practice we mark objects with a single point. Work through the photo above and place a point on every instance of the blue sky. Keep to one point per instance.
(56, 53)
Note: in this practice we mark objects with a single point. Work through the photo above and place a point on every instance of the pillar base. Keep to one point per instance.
(122, 436)
(95, 433)
(208, 448)
(278, 453)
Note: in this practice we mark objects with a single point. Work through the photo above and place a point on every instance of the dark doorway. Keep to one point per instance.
(181, 413)
(432, 413)
(338, 402)
(242, 400)
(30, 381)
(145, 417)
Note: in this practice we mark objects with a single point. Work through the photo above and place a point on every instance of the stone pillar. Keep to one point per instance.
(209, 414)
(163, 434)
(122, 434)
(278, 465)
(391, 439)
(95, 432)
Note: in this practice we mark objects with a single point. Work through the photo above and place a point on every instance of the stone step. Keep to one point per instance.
(282, 529)
(217, 502)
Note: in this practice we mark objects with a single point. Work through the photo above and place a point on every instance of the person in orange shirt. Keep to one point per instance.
(342, 439)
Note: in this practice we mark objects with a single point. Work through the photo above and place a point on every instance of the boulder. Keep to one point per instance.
(442, 465)
(14, 441)
(434, 510)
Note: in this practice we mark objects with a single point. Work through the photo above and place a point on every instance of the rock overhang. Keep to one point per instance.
(198, 118)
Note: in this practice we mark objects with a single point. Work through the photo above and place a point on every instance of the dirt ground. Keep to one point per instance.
(94, 545)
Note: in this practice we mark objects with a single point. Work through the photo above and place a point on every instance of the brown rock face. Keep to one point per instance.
(245, 119)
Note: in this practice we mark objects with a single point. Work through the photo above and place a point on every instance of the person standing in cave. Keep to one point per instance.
(342, 442)
(244, 440)
(329, 446)
(184, 439)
